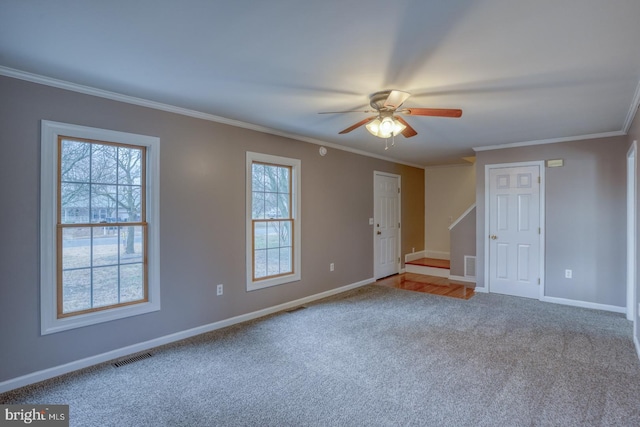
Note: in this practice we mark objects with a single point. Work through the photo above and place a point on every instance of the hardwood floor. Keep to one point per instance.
(429, 284)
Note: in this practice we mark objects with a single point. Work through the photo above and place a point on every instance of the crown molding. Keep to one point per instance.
(114, 96)
(550, 141)
(633, 109)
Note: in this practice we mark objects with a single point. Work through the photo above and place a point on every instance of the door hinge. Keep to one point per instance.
(398, 260)
(398, 190)
(398, 225)
(539, 231)
(538, 280)
(538, 180)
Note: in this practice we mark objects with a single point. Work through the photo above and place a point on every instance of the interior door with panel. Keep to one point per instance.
(386, 224)
(514, 230)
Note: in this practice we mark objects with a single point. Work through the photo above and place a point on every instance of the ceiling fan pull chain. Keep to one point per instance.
(386, 144)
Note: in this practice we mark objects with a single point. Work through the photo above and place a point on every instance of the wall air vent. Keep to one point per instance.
(469, 266)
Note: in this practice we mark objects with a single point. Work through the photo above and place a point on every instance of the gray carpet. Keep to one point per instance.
(375, 356)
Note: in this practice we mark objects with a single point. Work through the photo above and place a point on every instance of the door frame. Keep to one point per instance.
(632, 200)
(487, 222)
(373, 232)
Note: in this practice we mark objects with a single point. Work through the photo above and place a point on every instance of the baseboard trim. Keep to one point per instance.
(637, 343)
(482, 289)
(462, 278)
(585, 304)
(46, 374)
(437, 254)
(414, 256)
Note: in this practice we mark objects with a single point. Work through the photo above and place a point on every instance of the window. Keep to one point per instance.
(273, 220)
(99, 226)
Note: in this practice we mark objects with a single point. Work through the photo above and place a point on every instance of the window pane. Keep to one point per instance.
(285, 233)
(257, 206)
(129, 166)
(74, 157)
(285, 260)
(76, 290)
(270, 205)
(103, 199)
(76, 248)
(273, 234)
(105, 286)
(271, 178)
(129, 203)
(260, 263)
(259, 235)
(273, 261)
(283, 180)
(131, 241)
(74, 203)
(105, 246)
(283, 206)
(103, 164)
(257, 174)
(131, 282)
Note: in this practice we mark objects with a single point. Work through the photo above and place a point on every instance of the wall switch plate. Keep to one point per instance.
(370, 221)
(332, 267)
(219, 290)
(568, 274)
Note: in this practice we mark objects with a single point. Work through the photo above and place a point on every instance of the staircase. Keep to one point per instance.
(428, 266)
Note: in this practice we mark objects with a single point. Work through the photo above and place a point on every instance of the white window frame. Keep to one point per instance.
(50, 131)
(296, 173)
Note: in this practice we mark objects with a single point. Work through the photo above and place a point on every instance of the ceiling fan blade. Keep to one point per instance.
(357, 125)
(348, 111)
(396, 98)
(436, 112)
(408, 132)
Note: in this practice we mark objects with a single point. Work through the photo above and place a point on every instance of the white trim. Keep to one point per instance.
(550, 141)
(296, 214)
(375, 246)
(541, 269)
(87, 90)
(482, 289)
(584, 304)
(414, 256)
(461, 217)
(637, 344)
(48, 209)
(632, 203)
(468, 279)
(167, 339)
(632, 110)
(437, 254)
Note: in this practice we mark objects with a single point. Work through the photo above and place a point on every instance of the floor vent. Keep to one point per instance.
(132, 359)
(293, 310)
(469, 266)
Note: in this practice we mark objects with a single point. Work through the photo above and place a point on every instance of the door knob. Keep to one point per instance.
(493, 237)
(379, 232)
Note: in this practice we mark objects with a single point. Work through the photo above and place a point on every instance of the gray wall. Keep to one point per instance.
(202, 230)
(585, 217)
(463, 242)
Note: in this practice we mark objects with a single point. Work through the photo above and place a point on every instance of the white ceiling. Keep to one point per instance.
(521, 71)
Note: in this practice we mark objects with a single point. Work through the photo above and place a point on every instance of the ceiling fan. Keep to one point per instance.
(386, 123)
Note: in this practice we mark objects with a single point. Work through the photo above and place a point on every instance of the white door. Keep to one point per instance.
(386, 219)
(514, 231)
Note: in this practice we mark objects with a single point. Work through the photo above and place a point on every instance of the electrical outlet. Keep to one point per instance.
(413, 250)
(568, 274)
(331, 267)
(219, 290)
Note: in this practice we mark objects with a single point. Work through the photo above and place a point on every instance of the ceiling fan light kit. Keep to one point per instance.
(386, 125)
